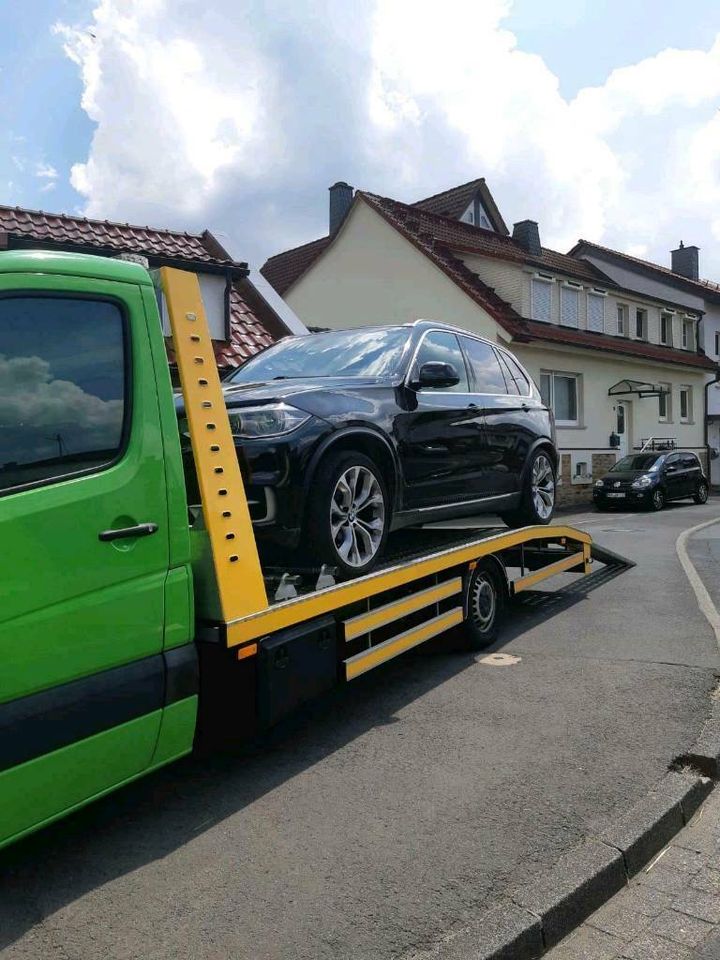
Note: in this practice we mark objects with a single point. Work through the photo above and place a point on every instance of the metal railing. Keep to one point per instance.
(658, 443)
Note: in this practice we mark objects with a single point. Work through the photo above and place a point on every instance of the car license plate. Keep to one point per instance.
(616, 494)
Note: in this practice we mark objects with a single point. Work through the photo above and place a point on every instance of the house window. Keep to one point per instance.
(687, 334)
(665, 404)
(666, 329)
(569, 306)
(596, 313)
(560, 392)
(685, 404)
(541, 291)
(622, 320)
(717, 343)
(640, 324)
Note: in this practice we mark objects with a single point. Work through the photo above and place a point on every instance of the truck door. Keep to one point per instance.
(84, 533)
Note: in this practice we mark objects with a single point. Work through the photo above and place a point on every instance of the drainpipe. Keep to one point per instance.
(709, 384)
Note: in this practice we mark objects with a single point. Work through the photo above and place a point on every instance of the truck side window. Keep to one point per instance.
(63, 398)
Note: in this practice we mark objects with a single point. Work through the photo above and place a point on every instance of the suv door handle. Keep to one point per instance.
(127, 533)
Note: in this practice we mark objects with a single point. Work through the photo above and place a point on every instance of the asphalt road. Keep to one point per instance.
(401, 806)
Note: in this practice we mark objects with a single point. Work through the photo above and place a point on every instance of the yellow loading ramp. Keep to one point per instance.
(246, 613)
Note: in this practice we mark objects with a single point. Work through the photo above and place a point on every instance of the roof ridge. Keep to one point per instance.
(301, 246)
(647, 263)
(469, 228)
(459, 186)
(108, 223)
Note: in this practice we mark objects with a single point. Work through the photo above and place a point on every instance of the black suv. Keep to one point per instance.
(346, 435)
(650, 480)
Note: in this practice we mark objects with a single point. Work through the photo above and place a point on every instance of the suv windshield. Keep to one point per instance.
(344, 353)
(639, 461)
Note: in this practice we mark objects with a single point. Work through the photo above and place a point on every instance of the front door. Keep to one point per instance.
(81, 616)
(440, 433)
(623, 426)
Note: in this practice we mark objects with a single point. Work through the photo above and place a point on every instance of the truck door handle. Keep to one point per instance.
(127, 533)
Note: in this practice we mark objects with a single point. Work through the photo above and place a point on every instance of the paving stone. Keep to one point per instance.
(619, 919)
(505, 932)
(648, 901)
(587, 944)
(680, 927)
(709, 949)
(664, 878)
(680, 858)
(707, 880)
(650, 947)
(699, 904)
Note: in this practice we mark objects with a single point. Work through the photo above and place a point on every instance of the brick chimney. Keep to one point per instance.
(527, 234)
(341, 198)
(685, 261)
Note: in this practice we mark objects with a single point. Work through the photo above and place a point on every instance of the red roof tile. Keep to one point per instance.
(285, 268)
(250, 331)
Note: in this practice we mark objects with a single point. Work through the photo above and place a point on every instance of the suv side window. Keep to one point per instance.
(517, 373)
(63, 401)
(485, 367)
(442, 346)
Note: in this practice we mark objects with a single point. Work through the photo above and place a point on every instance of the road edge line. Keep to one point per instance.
(704, 600)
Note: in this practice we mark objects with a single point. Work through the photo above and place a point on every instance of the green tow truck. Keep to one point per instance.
(135, 626)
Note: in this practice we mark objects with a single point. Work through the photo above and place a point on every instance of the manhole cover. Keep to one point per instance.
(500, 660)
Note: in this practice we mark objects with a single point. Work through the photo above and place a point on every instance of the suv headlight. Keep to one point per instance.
(270, 420)
(641, 483)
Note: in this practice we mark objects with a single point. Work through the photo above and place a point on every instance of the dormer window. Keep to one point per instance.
(477, 215)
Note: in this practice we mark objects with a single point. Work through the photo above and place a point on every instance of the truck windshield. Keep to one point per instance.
(638, 461)
(344, 353)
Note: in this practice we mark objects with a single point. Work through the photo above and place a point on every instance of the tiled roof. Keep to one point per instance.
(530, 330)
(700, 287)
(249, 332)
(455, 201)
(106, 235)
(468, 239)
(285, 268)
(446, 241)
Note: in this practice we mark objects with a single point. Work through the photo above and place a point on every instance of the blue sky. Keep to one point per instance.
(237, 115)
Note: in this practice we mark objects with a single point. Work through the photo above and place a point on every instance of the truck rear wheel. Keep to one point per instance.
(485, 602)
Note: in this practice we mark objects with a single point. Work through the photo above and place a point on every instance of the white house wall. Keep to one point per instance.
(370, 274)
(597, 373)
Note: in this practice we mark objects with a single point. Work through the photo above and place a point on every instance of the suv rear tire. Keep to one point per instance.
(538, 496)
(348, 513)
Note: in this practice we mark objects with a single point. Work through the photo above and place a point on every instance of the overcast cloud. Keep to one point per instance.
(238, 115)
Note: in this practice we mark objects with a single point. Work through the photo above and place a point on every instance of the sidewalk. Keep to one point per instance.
(669, 911)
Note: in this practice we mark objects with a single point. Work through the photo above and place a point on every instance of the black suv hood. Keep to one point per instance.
(311, 394)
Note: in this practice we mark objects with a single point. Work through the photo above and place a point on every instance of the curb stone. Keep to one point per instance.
(541, 913)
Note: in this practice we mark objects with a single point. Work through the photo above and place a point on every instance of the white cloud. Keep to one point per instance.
(45, 171)
(217, 115)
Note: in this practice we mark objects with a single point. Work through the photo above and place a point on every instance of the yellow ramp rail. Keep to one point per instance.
(241, 587)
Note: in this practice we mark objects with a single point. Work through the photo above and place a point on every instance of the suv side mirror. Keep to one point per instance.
(437, 374)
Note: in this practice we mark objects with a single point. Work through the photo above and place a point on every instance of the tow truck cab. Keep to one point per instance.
(134, 625)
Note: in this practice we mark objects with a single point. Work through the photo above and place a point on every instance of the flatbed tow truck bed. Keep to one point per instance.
(284, 634)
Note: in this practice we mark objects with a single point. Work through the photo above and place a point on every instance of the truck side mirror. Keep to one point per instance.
(436, 374)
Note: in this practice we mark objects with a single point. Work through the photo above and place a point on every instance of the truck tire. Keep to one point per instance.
(348, 514)
(485, 601)
(538, 495)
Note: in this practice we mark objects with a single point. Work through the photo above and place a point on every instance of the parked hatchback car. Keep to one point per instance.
(344, 436)
(650, 480)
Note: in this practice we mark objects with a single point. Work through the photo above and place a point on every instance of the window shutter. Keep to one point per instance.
(570, 299)
(596, 313)
(541, 300)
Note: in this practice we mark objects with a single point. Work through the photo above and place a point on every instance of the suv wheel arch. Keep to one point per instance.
(373, 445)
